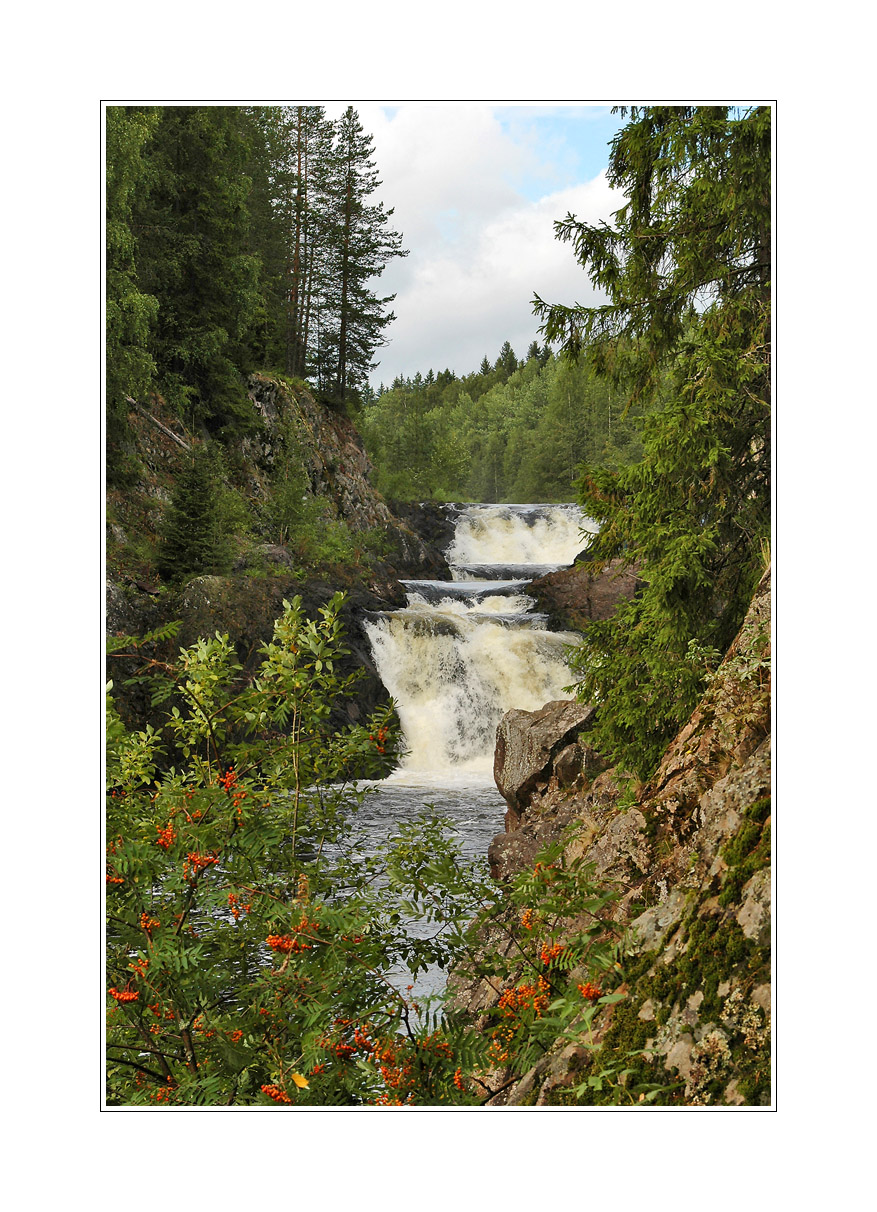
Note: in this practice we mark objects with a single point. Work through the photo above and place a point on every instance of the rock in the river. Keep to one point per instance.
(526, 741)
(574, 597)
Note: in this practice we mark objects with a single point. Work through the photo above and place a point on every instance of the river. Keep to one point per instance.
(457, 657)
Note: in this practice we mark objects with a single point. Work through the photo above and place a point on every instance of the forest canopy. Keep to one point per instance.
(239, 238)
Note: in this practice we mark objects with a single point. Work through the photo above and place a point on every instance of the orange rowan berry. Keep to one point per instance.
(166, 836)
(278, 1095)
(123, 995)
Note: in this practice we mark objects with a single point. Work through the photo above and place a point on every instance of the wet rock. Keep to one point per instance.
(574, 597)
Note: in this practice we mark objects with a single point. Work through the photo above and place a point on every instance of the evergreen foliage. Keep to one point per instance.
(195, 258)
(239, 238)
(359, 245)
(130, 313)
(513, 432)
(194, 541)
(687, 271)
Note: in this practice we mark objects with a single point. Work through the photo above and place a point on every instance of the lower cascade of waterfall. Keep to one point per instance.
(463, 652)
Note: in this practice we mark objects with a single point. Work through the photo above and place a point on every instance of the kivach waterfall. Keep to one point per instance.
(465, 651)
(457, 657)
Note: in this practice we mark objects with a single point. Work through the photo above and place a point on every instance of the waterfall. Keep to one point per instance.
(463, 652)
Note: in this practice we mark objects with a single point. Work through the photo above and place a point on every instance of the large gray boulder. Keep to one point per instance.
(526, 743)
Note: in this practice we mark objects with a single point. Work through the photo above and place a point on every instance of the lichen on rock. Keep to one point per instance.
(691, 852)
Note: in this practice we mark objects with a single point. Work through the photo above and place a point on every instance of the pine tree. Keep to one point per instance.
(687, 270)
(359, 246)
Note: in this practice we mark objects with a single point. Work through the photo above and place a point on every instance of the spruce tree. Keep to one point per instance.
(130, 312)
(687, 270)
(192, 541)
(196, 259)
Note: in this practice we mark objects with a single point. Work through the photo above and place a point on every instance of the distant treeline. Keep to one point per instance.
(514, 430)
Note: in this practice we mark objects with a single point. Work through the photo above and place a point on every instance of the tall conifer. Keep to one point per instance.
(687, 269)
(359, 244)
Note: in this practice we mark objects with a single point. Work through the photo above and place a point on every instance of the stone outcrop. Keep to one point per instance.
(528, 743)
(338, 469)
(246, 602)
(688, 854)
(574, 597)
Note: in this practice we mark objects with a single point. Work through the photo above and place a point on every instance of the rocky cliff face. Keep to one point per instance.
(689, 854)
(246, 602)
(338, 468)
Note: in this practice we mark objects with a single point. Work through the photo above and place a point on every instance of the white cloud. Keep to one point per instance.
(452, 309)
(478, 249)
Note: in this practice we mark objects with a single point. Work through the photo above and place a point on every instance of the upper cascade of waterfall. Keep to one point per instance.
(504, 540)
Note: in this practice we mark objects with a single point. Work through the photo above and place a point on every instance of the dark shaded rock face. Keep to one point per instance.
(574, 597)
(245, 608)
(689, 855)
(433, 523)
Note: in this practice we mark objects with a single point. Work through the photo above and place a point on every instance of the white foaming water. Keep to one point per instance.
(462, 653)
(519, 534)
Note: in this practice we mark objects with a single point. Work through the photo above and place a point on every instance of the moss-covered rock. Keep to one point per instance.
(690, 854)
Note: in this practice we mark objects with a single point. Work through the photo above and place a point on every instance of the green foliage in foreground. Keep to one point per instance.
(249, 944)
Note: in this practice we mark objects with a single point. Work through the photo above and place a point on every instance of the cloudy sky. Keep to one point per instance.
(476, 188)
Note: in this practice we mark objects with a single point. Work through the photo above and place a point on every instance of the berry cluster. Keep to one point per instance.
(286, 943)
(228, 781)
(235, 906)
(590, 992)
(123, 995)
(276, 1093)
(148, 923)
(513, 1001)
(550, 953)
(196, 863)
(378, 741)
(166, 836)
(527, 919)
